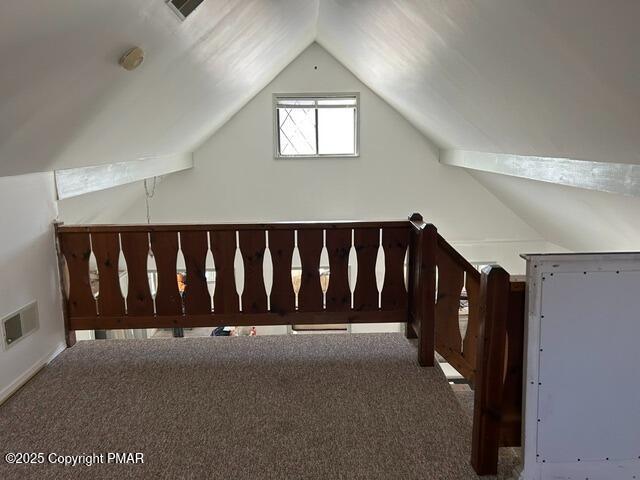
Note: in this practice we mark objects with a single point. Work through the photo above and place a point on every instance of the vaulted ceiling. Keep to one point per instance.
(529, 77)
(66, 102)
(539, 77)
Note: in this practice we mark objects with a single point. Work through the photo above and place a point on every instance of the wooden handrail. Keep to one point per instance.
(159, 227)
(457, 257)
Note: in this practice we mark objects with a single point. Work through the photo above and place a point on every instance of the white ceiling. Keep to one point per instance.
(530, 77)
(538, 77)
(65, 102)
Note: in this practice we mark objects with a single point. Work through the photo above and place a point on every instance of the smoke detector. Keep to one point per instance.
(132, 58)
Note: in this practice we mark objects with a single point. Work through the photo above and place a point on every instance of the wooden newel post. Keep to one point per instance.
(422, 288)
(490, 364)
(70, 335)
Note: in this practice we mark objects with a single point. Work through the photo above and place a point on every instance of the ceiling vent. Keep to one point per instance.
(18, 325)
(183, 8)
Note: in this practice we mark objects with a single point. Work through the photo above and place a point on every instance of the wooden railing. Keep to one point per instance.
(497, 416)
(488, 354)
(455, 274)
(341, 303)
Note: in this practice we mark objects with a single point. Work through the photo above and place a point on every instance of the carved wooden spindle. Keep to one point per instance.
(366, 242)
(223, 247)
(394, 293)
(194, 246)
(76, 248)
(106, 248)
(338, 247)
(281, 244)
(135, 247)
(470, 341)
(165, 250)
(252, 246)
(310, 244)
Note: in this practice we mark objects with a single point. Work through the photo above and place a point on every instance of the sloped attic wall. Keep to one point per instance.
(66, 102)
(579, 220)
(530, 77)
(236, 178)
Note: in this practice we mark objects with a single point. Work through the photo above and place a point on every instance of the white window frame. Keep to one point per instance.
(320, 96)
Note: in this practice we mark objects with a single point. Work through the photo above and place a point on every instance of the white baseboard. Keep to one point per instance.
(9, 390)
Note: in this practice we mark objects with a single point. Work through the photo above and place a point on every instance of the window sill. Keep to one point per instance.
(295, 157)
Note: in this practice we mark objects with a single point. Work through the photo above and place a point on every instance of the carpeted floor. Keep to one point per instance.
(290, 407)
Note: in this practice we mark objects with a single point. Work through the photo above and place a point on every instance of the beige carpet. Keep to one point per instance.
(316, 407)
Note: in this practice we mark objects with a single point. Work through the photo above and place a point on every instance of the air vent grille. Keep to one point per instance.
(184, 8)
(19, 324)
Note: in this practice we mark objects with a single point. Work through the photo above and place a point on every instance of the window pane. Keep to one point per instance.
(351, 102)
(297, 130)
(287, 102)
(336, 131)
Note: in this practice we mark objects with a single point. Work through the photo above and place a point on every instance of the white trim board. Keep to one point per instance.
(13, 387)
(72, 182)
(622, 178)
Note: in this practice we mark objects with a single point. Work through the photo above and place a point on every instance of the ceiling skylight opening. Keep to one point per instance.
(183, 8)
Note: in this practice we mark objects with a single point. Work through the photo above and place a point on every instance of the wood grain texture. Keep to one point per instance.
(310, 296)
(511, 421)
(447, 322)
(413, 276)
(231, 226)
(455, 256)
(252, 246)
(338, 248)
(106, 248)
(165, 251)
(236, 319)
(394, 292)
(70, 335)
(76, 248)
(427, 294)
(489, 385)
(135, 247)
(366, 242)
(194, 246)
(470, 341)
(225, 295)
(281, 245)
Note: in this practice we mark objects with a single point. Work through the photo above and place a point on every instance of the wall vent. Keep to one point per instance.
(183, 8)
(20, 324)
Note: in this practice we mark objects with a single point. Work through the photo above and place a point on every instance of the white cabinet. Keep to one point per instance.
(582, 367)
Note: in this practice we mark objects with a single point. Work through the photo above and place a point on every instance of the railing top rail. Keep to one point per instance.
(456, 256)
(162, 227)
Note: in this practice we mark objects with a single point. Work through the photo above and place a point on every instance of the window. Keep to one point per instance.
(317, 125)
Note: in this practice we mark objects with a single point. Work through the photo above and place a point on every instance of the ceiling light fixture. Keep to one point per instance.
(132, 58)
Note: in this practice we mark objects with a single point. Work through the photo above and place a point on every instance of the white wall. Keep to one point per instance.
(29, 272)
(236, 178)
(578, 219)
